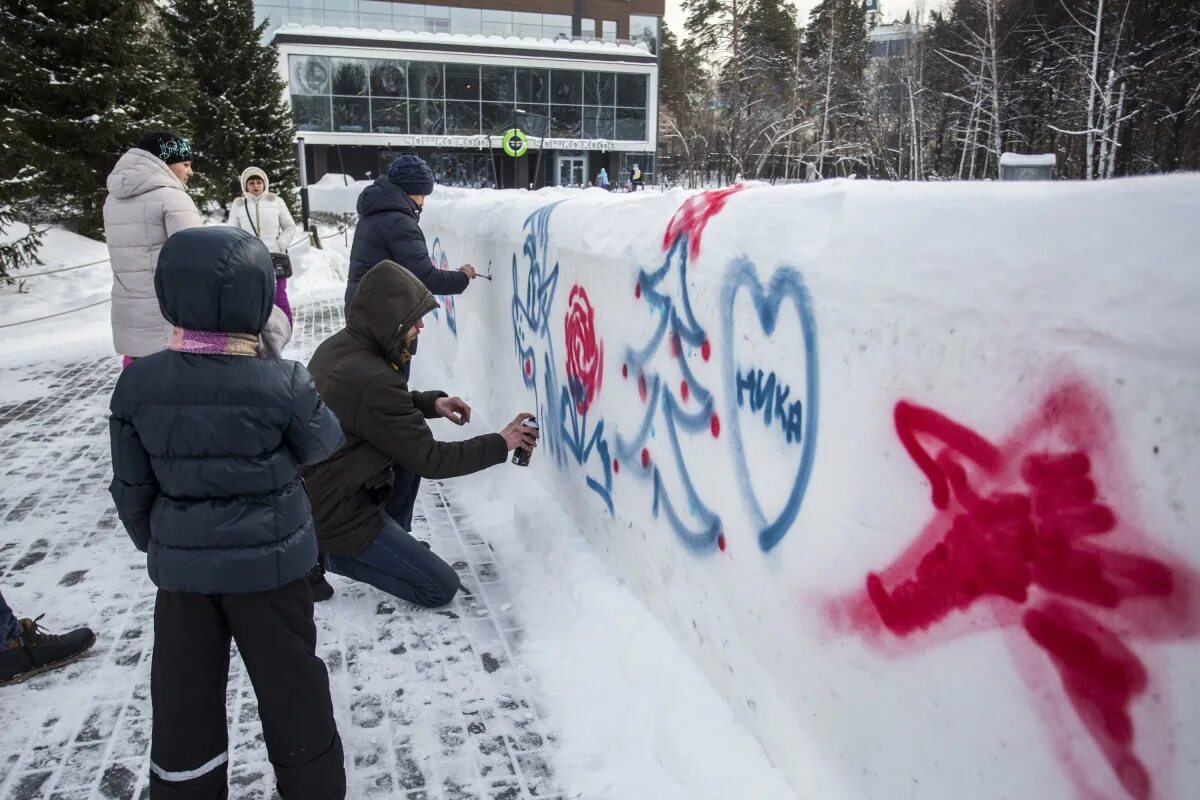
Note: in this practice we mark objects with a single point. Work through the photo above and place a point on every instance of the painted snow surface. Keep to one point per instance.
(909, 469)
(546, 679)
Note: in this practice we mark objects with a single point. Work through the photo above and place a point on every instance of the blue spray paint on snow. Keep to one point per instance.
(786, 285)
(665, 292)
(564, 429)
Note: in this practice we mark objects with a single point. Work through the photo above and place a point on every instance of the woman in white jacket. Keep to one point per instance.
(147, 202)
(264, 214)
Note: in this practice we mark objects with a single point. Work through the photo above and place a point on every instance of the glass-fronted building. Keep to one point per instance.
(447, 82)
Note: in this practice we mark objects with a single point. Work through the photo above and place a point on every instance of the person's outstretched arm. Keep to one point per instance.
(406, 244)
(389, 420)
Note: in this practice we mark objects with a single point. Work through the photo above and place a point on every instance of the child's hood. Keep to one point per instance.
(215, 278)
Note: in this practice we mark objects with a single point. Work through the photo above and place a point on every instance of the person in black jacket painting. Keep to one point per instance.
(207, 444)
(388, 212)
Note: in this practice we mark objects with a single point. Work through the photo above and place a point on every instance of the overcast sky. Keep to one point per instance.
(891, 8)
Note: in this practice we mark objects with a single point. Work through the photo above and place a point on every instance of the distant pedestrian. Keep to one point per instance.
(26, 649)
(264, 214)
(602, 179)
(207, 441)
(147, 203)
(635, 177)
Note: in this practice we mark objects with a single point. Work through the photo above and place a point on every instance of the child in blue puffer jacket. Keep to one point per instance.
(207, 443)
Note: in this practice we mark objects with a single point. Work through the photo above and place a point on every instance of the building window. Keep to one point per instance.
(527, 24)
(644, 29)
(426, 117)
(631, 91)
(533, 85)
(425, 80)
(350, 77)
(462, 119)
(341, 13)
(566, 87)
(310, 75)
(375, 14)
(389, 79)
(351, 114)
(389, 96)
(610, 30)
(389, 116)
(462, 82)
(499, 84)
(466, 20)
(587, 29)
(555, 26)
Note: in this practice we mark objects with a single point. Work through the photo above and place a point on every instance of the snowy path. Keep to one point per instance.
(430, 705)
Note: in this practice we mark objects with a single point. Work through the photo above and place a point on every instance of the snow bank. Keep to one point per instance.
(335, 193)
(908, 470)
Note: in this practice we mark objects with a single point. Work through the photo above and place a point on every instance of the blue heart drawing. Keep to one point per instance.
(786, 284)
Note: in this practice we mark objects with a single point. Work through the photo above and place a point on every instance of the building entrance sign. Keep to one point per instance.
(515, 142)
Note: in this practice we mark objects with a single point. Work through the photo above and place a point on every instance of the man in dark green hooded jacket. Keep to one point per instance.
(359, 376)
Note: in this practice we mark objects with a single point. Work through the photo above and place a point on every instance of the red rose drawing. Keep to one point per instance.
(585, 356)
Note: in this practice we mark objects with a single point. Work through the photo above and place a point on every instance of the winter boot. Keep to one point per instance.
(35, 651)
(321, 589)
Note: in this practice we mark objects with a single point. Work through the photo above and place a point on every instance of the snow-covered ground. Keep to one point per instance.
(548, 680)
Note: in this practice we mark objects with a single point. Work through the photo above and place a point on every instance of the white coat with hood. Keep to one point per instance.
(146, 204)
(265, 216)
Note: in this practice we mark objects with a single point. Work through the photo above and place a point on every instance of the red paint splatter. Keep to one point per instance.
(585, 354)
(673, 345)
(616, 465)
(684, 390)
(694, 214)
(624, 370)
(721, 542)
(528, 368)
(642, 391)
(637, 290)
(1024, 534)
(645, 457)
(705, 350)
(714, 425)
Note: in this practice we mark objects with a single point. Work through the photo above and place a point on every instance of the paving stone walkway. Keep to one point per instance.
(432, 705)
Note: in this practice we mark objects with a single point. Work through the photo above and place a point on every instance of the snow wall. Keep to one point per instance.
(910, 470)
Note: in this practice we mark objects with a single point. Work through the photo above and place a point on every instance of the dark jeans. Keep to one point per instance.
(276, 637)
(400, 565)
(10, 629)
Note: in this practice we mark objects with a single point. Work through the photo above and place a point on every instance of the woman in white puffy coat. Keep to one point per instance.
(262, 212)
(265, 215)
(147, 202)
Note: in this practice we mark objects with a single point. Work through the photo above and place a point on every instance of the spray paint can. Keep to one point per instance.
(521, 456)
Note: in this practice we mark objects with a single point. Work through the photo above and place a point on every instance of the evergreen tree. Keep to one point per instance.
(834, 62)
(239, 114)
(19, 237)
(80, 81)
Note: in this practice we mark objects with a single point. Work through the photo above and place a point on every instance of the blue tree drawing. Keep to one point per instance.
(676, 403)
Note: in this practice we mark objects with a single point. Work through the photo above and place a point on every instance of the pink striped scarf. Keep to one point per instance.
(213, 343)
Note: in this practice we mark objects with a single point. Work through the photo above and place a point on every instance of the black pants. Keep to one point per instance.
(407, 484)
(275, 634)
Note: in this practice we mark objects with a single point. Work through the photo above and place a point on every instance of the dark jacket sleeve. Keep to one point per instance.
(424, 401)
(313, 434)
(388, 419)
(407, 246)
(134, 487)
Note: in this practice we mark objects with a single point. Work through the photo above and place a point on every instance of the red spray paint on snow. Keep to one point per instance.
(1027, 533)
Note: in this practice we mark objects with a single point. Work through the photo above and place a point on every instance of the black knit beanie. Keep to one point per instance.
(169, 147)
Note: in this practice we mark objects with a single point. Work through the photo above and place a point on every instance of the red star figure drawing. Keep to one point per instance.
(694, 214)
(1038, 536)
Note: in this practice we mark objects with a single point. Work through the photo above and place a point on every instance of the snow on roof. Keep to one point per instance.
(578, 45)
(1022, 160)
